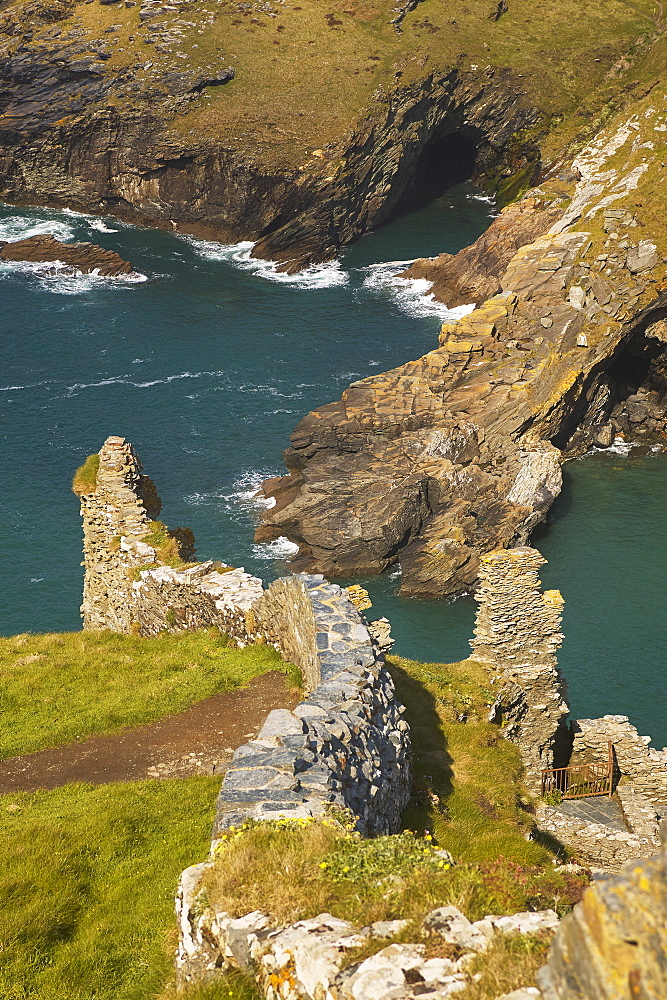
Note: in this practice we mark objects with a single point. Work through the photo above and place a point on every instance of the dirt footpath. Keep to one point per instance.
(200, 740)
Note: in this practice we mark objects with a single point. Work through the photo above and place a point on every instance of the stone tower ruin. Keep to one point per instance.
(517, 634)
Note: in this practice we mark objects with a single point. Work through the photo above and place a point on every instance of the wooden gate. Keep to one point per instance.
(581, 780)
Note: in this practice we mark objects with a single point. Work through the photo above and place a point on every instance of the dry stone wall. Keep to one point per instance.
(347, 744)
(614, 944)
(517, 633)
(645, 767)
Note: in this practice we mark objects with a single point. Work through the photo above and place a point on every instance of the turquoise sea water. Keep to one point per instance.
(208, 361)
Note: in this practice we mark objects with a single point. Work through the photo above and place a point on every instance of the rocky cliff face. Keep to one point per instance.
(133, 163)
(286, 124)
(458, 453)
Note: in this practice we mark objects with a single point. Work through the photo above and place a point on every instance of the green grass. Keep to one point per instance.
(59, 687)
(468, 781)
(87, 888)
(468, 797)
(85, 477)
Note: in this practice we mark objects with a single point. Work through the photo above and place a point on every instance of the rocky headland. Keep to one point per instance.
(460, 452)
(292, 125)
(301, 129)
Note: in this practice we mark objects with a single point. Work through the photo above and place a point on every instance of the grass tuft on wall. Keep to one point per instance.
(85, 477)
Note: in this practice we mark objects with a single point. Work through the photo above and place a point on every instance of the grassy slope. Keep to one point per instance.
(304, 76)
(87, 888)
(89, 873)
(468, 797)
(60, 687)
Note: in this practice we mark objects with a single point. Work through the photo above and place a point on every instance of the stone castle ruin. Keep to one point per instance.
(141, 577)
(347, 744)
(517, 635)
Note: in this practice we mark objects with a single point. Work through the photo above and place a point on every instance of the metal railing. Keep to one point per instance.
(580, 780)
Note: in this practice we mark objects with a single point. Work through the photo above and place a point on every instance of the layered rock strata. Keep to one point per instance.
(614, 943)
(457, 453)
(303, 961)
(347, 744)
(517, 633)
(83, 257)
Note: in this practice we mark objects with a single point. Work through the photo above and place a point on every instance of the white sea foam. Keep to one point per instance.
(619, 447)
(63, 279)
(244, 493)
(410, 294)
(268, 390)
(128, 380)
(101, 227)
(20, 227)
(17, 388)
(326, 275)
(490, 199)
(280, 548)
(91, 220)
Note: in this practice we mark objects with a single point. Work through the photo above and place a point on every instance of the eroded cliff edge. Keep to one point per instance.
(293, 125)
(460, 451)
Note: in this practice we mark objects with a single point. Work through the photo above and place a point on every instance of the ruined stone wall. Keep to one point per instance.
(598, 845)
(116, 517)
(517, 633)
(347, 744)
(208, 594)
(645, 767)
(614, 944)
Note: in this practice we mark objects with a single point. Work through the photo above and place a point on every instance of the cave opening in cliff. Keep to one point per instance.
(443, 162)
(638, 365)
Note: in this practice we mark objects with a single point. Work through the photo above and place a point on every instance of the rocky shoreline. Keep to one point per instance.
(458, 453)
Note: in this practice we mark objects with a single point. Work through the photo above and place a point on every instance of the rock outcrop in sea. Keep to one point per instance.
(83, 257)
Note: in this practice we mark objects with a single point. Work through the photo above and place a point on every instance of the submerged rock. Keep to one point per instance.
(84, 257)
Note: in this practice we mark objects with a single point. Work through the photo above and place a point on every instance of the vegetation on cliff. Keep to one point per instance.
(85, 477)
(68, 685)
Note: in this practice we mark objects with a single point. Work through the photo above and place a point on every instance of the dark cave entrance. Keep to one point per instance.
(636, 374)
(442, 163)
